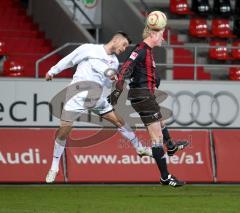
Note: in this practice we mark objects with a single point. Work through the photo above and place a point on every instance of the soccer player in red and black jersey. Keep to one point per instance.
(140, 68)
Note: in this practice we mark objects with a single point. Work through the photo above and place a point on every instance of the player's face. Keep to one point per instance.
(120, 45)
(158, 37)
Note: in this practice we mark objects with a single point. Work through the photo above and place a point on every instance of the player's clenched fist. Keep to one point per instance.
(48, 77)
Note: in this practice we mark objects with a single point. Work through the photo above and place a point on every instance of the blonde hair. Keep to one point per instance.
(146, 32)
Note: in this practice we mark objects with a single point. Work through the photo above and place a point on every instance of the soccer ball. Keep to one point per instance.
(156, 20)
(111, 74)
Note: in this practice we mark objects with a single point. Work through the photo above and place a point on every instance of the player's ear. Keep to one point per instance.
(152, 33)
(115, 40)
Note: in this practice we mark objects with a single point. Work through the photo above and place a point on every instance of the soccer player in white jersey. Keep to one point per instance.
(92, 60)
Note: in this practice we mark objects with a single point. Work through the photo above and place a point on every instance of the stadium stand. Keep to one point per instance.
(198, 27)
(13, 69)
(235, 53)
(201, 7)
(218, 50)
(222, 8)
(237, 8)
(179, 7)
(221, 28)
(236, 27)
(22, 43)
(207, 34)
(206, 23)
(234, 73)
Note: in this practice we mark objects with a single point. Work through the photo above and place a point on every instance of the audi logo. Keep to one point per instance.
(203, 108)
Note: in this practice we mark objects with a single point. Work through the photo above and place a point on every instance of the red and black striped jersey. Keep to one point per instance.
(140, 68)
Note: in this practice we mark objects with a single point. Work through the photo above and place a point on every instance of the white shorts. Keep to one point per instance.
(79, 104)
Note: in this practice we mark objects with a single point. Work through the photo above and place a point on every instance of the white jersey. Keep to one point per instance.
(92, 61)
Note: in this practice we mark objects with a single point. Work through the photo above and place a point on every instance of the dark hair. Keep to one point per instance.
(125, 35)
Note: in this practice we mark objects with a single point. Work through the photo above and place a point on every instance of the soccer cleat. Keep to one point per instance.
(172, 181)
(50, 178)
(144, 151)
(179, 145)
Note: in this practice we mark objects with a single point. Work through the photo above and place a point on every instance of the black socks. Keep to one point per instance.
(158, 154)
(167, 139)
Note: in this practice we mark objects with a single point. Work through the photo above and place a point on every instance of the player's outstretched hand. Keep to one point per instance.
(113, 97)
(48, 77)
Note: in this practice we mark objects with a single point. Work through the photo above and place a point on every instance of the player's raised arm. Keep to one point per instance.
(68, 61)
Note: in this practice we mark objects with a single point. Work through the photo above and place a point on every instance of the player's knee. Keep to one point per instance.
(64, 131)
(149, 118)
(113, 118)
(62, 136)
(119, 123)
(162, 123)
(61, 142)
(157, 141)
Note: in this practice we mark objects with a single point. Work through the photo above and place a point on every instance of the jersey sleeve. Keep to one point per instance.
(127, 67)
(70, 60)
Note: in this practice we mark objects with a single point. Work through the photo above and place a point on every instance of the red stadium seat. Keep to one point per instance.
(198, 28)
(26, 45)
(28, 63)
(234, 73)
(221, 28)
(202, 75)
(21, 42)
(179, 7)
(2, 48)
(13, 69)
(218, 53)
(183, 56)
(16, 22)
(235, 53)
(21, 34)
(12, 4)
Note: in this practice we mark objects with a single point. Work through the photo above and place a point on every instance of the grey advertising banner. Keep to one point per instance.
(31, 102)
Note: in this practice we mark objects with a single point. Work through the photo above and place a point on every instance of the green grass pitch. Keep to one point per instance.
(119, 198)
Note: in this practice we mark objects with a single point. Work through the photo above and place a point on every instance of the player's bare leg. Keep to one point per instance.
(127, 133)
(59, 146)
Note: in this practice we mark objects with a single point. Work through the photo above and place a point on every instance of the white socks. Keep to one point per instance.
(127, 133)
(57, 153)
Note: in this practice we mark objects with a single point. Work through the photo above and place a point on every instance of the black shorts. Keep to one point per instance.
(146, 106)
